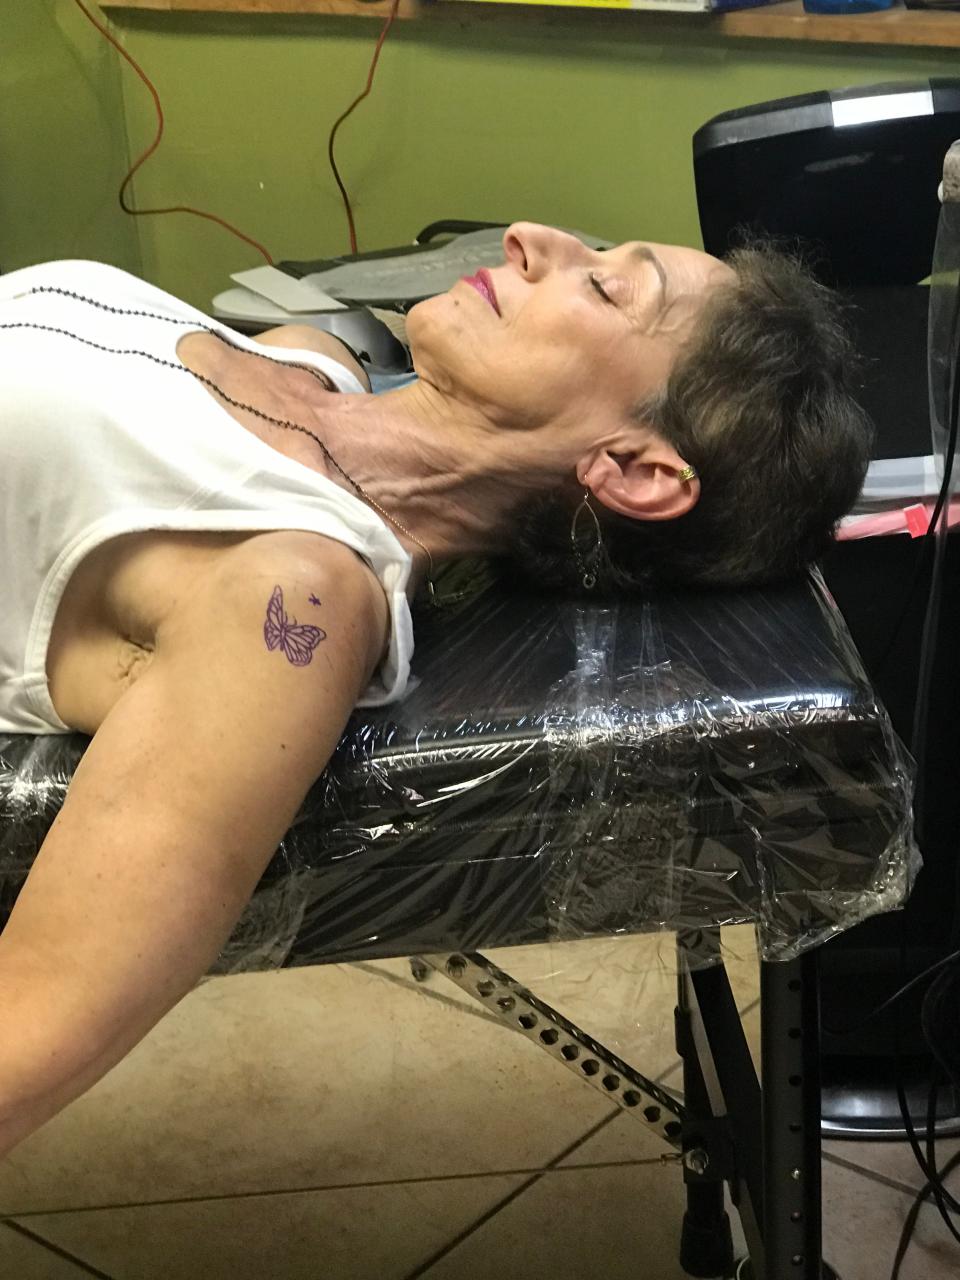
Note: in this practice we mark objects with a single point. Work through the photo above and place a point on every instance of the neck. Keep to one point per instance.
(452, 479)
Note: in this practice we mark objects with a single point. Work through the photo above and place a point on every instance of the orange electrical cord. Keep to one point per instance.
(127, 208)
(356, 102)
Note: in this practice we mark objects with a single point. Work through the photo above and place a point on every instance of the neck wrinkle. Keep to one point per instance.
(451, 478)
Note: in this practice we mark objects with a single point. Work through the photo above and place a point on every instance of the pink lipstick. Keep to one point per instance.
(484, 286)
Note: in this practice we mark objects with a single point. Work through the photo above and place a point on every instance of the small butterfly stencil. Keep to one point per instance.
(297, 640)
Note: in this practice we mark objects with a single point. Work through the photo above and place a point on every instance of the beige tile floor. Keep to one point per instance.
(347, 1123)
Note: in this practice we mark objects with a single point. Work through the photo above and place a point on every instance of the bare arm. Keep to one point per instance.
(174, 812)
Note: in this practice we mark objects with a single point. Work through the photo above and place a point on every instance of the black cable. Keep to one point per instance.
(944, 1200)
(892, 1000)
(927, 655)
(940, 1193)
(940, 1022)
(906, 607)
(934, 518)
(924, 680)
(906, 1235)
(928, 643)
(942, 984)
(929, 1170)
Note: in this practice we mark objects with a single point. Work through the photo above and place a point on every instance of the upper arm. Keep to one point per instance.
(306, 338)
(197, 772)
(252, 684)
(255, 681)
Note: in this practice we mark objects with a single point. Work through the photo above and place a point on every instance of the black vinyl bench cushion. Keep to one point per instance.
(566, 770)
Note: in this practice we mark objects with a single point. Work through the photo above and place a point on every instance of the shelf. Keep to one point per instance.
(368, 8)
(924, 28)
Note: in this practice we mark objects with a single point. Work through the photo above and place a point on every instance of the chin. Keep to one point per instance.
(424, 318)
(435, 334)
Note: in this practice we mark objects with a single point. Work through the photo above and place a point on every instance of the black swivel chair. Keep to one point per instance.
(852, 176)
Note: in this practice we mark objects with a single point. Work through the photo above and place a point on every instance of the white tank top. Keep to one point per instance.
(95, 444)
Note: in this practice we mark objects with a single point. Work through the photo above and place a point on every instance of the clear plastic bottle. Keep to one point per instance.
(846, 6)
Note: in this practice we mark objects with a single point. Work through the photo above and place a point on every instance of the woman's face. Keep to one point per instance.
(561, 332)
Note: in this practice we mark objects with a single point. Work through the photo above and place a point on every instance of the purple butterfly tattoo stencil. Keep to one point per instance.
(297, 640)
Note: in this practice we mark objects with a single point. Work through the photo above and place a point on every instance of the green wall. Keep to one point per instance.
(62, 139)
(489, 120)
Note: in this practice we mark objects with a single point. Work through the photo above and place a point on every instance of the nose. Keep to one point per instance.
(534, 249)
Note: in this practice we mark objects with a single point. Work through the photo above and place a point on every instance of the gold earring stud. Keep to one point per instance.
(688, 473)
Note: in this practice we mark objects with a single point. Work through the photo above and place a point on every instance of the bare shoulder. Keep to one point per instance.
(305, 337)
(296, 592)
(265, 656)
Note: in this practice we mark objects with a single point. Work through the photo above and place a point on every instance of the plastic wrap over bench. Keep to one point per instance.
(564, 770)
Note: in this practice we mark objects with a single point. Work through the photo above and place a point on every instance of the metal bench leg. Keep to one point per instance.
(706, 1245)
(730, 1081)
(790, 1051)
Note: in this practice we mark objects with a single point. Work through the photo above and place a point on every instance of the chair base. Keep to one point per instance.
(859, 1099)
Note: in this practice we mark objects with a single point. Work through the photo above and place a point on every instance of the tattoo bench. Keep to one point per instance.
(566, 771)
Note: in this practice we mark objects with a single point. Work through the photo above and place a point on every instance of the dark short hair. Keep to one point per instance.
(760, 400)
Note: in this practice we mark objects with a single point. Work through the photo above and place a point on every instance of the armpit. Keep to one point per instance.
(132, 660)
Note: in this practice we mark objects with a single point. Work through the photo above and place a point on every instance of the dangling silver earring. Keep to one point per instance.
(588, 567)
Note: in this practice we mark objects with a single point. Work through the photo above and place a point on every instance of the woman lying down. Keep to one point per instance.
(209, 543)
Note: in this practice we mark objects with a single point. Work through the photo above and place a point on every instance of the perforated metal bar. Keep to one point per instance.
(564, 1040)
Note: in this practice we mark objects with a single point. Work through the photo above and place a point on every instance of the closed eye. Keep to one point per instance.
(600, 289)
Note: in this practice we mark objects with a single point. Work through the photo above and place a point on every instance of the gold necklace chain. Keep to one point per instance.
(208, 382)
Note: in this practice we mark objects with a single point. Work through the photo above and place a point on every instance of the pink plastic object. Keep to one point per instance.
(913, 520)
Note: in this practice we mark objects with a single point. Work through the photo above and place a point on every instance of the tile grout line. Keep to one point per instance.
(424, 1267)
(17, 1216)
(894, 1183)
(39, 1241)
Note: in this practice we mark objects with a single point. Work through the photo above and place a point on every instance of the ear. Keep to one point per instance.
(643, 481)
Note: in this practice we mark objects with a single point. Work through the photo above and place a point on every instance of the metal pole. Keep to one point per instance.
(790, 1050)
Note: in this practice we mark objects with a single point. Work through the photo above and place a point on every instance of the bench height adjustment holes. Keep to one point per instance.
(486, 987)
(590, 1066)
(506, 1003)
(571, 1052)
(528, 1021)
(550, 1036)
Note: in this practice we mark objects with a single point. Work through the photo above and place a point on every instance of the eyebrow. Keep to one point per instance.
(646, 254)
